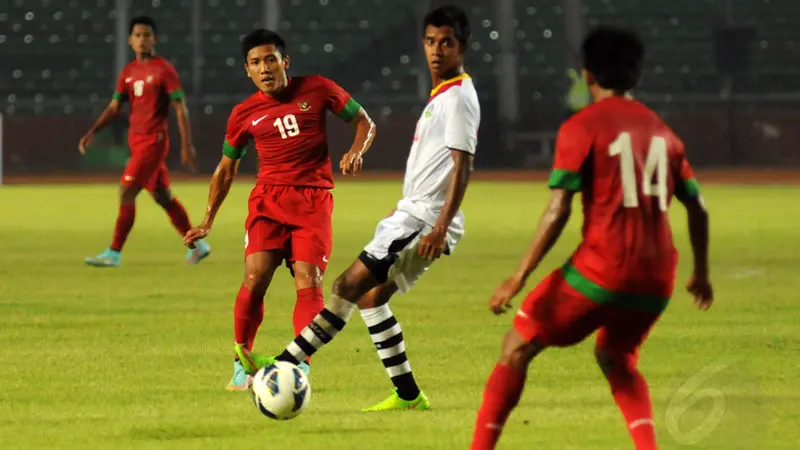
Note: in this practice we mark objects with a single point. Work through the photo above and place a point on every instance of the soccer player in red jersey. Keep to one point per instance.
(628, 165)
(150, 84)
(290, 207)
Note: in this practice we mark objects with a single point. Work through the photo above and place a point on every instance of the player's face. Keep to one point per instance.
(266, 66)
(142, 39)
(442, 50)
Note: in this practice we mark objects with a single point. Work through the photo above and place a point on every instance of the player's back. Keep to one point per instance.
(628, 179)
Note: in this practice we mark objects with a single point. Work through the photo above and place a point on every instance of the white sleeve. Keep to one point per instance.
(463, 119)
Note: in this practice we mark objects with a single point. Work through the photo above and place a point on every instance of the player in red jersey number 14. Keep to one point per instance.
(628, 166)
(290, 207)
(150, 84)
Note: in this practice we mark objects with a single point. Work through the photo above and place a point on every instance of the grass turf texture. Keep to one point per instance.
(138, 357)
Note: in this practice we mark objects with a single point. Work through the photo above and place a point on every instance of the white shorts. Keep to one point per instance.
(392, 253)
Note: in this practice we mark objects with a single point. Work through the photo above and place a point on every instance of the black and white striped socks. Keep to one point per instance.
(387, 335)
(328, 323)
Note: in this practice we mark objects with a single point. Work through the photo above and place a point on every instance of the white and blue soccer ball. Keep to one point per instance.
(281, 391)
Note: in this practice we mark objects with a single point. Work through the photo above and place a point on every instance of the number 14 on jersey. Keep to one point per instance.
(656, 163)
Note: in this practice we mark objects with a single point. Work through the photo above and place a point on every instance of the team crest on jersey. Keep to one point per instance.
(304, 106)
(428, 113)
(149, 79)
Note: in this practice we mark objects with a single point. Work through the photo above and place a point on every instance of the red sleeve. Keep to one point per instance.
(339, 101)
(171, 81)
(573, 145)
(236, 136)
(120, 92)
(686, 184)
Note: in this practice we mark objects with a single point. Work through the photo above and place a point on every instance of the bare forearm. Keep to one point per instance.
(221, 183)
(365, 134)
(105, 118)
(185, 128)
(456, 190)
(698, 235)
(550, 227)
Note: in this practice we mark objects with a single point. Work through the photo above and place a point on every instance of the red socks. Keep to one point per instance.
(125, 219)
(501, 395)
(178, 216)
(310, 302)
(248, 312)
(632, 396)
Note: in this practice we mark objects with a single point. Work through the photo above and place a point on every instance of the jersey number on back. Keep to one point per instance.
(656, 163)
(287, 125)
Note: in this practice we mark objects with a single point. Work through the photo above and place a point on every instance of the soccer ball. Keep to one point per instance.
(281, 391)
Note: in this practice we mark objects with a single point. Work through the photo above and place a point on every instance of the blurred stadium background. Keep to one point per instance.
(723, 73)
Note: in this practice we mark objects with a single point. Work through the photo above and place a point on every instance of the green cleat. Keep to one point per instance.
(252, 362)
(109, 258)
(395, 403)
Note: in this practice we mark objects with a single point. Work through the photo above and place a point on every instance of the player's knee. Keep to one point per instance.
(610, 362)
(127, 194)
(518, 353)
(308, 277)
(163, 197)
(345, 288)
(257, 279)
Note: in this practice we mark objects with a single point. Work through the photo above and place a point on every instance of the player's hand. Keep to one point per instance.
(501, 299)
(189, 157)
(431, 246)
(351, 163)
(700, 288)
(85, 142)
(195, 234)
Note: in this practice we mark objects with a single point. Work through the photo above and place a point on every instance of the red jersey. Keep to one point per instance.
(149, 86)
(289, 133)
(628, 165)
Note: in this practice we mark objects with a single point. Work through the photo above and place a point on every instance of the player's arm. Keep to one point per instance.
(573, 145)
(105, 118)
(172, 85)
(233, 148)
(687, 191)
(461, 137)
(347, 109)
(365, 133)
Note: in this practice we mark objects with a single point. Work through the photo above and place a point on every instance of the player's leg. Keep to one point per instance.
(310, 301)
(552, 315)
(387, 335)
(616, 352)
(159, 187)
(248, 311)
(128, 190)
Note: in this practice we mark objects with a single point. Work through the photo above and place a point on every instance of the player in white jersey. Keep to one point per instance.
(426, 224)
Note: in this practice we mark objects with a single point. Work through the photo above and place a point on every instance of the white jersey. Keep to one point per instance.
(449, 121)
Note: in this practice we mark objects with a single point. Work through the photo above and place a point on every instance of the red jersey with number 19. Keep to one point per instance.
(289, 132)
(628, 165)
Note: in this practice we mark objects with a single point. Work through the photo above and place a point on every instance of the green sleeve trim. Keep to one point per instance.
(120, 97)
(565, 179)
(691, 187)
(177, 94)
(599, 294)
(349, 111)
(232, 152)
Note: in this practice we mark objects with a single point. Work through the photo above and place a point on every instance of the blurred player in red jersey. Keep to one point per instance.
(290, 207)
(628, 165)
(150, 84)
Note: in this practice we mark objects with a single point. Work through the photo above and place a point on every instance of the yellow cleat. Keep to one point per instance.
(395, 403)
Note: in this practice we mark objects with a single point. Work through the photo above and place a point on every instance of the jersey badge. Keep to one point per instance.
(149, 79)
(304, 106)
(428, 112)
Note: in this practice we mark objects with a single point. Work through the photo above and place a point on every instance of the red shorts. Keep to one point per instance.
(290, 219)
(147, 168)
(555, 314)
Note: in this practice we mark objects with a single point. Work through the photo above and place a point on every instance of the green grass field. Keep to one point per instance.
(138, 357)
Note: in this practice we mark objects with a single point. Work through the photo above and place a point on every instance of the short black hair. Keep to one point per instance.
(262, 36)
(614, 56)
(453, 17)
(142, 20)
